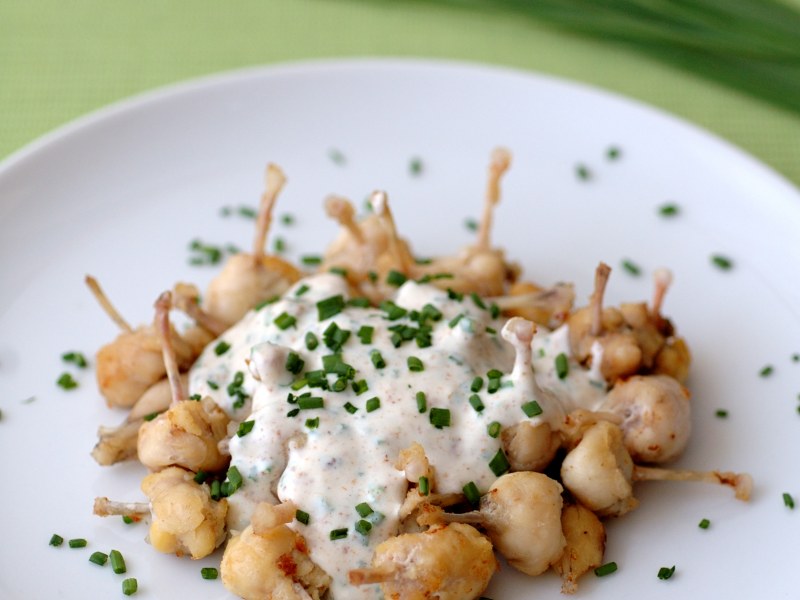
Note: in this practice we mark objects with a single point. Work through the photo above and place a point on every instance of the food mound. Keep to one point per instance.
(382, 427)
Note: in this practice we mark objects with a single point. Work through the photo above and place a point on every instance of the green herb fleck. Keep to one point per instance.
(302, 516)
(493, 429)
(605, 569)
(704, 524)
(669, 210)
(66, 382)
(766, 371)
(440, 417)
(129, 586)
(209, 573)
(56, 540)
(245, 427)
(76, 358)
(415, 166)
(422, 402)
(666, 572)
(722, 262)
(532, 408)
(788, 501)
(631, 267)
(99, 558)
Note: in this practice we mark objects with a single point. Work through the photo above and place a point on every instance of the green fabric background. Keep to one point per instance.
(62, 58)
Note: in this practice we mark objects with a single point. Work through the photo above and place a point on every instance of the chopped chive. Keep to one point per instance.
(311, 341)
(287, 219)
(216, 492)
(766, 371)
(76, 358)
(234, 479)
(310, 403)
(669, 210)
(294, 364)
(795, 357)
(302, 516)
(130, 520)
(499, 463)
(491, 330)
(284, 320)
(471, 224)
(396, 278)
(393, 312)
(475, 402)
(562, 365)
(330, 306)
(422, 261)
(360, 386)
(56, 540)
(377, 359)
(311, 260)
(209, 573)
(337, 157)
(722, 262)
(245, 427)
(372, 275)
(117, 562)
(65, 381)
(339, 385)
(350, 408)
(266, 302)
(365, 334)
(440, 417)
(704, 524)
(279, 245)
(363, 527)
(340, 271)
(415, 166)
(454, 295)
(359, 302)
(788, 501)
(493, 429)
(364, 510)
(478, 301)
(582, 172)
(494, 374)
(312, 423)
(200, 476)
(151, 416)
(454, 321)
(476, 384)
(665, 573)
(317, 379)
(493, 385)
(373, 404)
(195, 397)
(129, 586)
(301, 290)
(422, 402)
(212, 384)
(721, 413)
(424, 486)
(605, 569)
(415, 364)
(471, 492)
(613, 153)
(338, 534)
(333, 363)
(532, 408)
(631, 267)
(99, 558)
(248, 212)
(77, 543)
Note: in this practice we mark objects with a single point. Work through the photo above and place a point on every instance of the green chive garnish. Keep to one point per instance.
(338, 534)
(279, 245)
(311, 260)
(221, 348)
(440, 417)
(722, 262)
(76, 358)
(65, 381)
(668, 210)
(129, 520)
(294, 364)
(605, 569)
(56, 540)
(330, 306)
(377, 359)
(301, 290)
(364, 510)
(81, 543)
(365, 334)
(284, 321)
(613, 153)
(475, 402)
(117, 562)
(471, 492)
(234, 479)
(338, 158)
(363, 527)
(422, 402)
(393, 312)
(245, 427)
(766, 371)
(562, 365)
(359, 302)
(666, 572)
(415, 364)
(493, 429)
(360, 386)
(631, 267)
(98, 558)
(340, 271)
(788, 501)
(287, 219)
(532, 408)
(396, 278)
(209, 573)
(454, 321)
(704, 524)
(302, 516)
(721, 413)
(582, 172)
(499, 463)
(310, 403)
(311, 341)
(424, 486)
(129, 586)
(312, 423)
(471, 224)
(476, 385)
(350, 408)
(415, 166)
(373, 404)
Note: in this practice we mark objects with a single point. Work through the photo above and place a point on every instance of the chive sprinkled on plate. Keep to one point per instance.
(130, 586)
(284, 320)
(76, 358)
(221, 348)
(330, 307)
(440, 417)
(117, 562)
(605, 569)
(562, 365)
(81, 543)
(372, 404)
(99, 558)
(631, 267)
(471, 492)
(723, 263)
(721, 413)
(422, 402)
(209, 573)
(493, 429)
(582, 172)
(613, 153)
(245, 427)
(476, 403)
(665, 573)
(499, 463)
(56, 540)
(415, 364)
(311, 260)
(669, 209)
(471, 224)
(788, 501)
(338, 534)
(66, 382)
(337, 157)
(704, 524)
(532, 408)
(415, 166)
(766, 371)
(302, 516)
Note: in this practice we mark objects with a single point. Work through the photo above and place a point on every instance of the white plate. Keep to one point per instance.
(120, 194)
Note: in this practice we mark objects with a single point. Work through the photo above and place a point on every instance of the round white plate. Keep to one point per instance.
(121, 193)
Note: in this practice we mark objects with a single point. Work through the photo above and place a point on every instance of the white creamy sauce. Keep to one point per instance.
(348, 457)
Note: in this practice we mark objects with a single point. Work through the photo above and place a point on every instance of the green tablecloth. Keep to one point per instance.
(62, 58)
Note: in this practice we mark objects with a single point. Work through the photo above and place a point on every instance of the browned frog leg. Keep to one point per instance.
(106, 305)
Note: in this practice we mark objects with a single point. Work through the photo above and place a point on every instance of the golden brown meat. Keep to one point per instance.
(586, 544)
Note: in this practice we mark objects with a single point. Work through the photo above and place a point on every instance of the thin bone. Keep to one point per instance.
(470, 518)
(342, 210)
(741, 483)
(500, 161)
(601, 275)
(185, 298)
(380, 205)
(163, 305)
(106, 305)
(274, 182)
(116, 444)
(372, 575)
(662, 279)
(103, 507)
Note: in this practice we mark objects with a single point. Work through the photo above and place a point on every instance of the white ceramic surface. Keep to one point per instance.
(120, 193)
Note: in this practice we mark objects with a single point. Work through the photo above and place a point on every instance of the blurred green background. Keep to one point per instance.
(60, 59)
